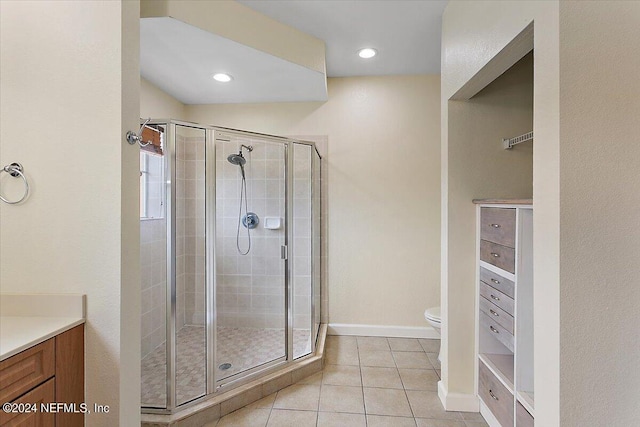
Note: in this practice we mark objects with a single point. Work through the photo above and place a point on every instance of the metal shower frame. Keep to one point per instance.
(213, 386)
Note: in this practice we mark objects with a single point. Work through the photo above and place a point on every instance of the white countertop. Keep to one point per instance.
(18, 333)
(27, 320)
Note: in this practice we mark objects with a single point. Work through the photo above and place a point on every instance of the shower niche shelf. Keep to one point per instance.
(273, 223)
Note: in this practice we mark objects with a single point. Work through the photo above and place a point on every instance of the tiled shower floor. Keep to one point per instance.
(243, 348)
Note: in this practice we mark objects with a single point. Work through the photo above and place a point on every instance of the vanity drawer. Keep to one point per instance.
(523, 417)
(495, 396)
(500, 316)
(492, 279)
(25, 370)
(498, 255)
(498, 225)
(496, 297)
(45, 393)
(494, 329)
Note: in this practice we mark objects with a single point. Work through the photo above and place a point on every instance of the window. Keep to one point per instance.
(152, 174)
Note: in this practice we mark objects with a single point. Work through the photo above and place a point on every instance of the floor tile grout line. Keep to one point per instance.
(364, 404)
(319, 396)
(404, 390)
(409, 403)
(271, 408)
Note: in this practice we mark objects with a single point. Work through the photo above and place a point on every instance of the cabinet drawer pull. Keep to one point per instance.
(495, 225)
(495, 297)
(497, 282)
(493, 395)
(494, 330)
(495, 255)
(494, 313)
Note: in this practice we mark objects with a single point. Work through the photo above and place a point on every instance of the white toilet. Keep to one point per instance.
(432, 315)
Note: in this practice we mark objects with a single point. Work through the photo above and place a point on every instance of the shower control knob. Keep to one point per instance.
(250, 220)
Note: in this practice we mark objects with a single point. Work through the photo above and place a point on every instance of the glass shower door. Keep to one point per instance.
(250, 269)
(153, 265)
(174, 344)
(301, 250)
(190, 284)
(230, 259)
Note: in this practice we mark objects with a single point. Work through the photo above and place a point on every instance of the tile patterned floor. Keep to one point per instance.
(367, 381)
(243, 348)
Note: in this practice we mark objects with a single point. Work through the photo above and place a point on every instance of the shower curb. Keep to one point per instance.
(217, 406)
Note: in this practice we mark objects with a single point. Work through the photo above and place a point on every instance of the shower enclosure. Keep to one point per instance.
(230, 255)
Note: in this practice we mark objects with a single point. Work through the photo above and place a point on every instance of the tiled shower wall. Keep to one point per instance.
(190, 270)
(302, 226)
(322, 145)
(250, 290)
(180, 230)
(316, 239)
(190, 227)
(153, 255)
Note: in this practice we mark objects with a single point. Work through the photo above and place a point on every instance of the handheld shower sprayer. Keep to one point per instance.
(239, 160)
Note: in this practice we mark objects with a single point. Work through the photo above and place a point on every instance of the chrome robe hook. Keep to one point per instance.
(132, 137)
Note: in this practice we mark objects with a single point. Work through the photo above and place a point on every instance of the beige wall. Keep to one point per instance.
(156, 104)
(600, 211)
(68, 93)
(577, 191)
(479, 167)
(383, 189)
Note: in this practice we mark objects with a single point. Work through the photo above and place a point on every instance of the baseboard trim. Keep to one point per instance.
(460, 402)
(382, 331)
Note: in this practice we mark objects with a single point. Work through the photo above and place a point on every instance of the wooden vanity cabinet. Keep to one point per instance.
(49, 372)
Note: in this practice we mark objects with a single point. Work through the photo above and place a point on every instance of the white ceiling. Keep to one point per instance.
(181, 59)
(405, 33)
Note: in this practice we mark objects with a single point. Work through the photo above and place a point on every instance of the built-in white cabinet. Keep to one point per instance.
(505, 312)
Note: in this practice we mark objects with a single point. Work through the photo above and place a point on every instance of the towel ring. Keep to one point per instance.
(16, 170)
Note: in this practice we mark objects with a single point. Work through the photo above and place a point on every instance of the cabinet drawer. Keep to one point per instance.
(498, 225)
(25, 370)
(494, 329)
(494, 280)
(498, 255)
(496, 297)
(42, 394)
(523, 417)
(495, 396)
(500, 316)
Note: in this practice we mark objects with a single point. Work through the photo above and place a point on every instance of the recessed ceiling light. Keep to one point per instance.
(367, 53)
(222, 77)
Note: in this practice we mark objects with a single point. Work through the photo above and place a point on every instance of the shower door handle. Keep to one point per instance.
(284, 252)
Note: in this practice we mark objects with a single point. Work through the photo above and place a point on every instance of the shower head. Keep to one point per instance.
(237, 159)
